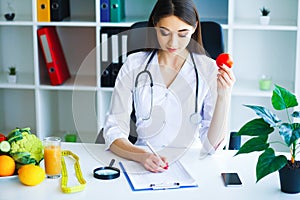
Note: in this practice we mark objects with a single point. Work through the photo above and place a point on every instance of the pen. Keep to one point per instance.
(154, 152)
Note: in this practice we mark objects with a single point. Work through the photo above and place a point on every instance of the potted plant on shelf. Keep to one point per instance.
(12, 74)
(259, 131)
(9, 13)
(265, 17)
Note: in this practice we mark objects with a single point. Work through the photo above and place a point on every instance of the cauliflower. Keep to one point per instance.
(26, 148)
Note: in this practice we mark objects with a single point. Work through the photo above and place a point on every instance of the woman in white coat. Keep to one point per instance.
(178, 93)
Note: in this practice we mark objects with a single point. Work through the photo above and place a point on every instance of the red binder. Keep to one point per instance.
(54, 56)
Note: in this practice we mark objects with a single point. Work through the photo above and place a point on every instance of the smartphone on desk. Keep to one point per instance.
(231, 179)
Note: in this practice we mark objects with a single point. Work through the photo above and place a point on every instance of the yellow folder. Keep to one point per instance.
(43, 11)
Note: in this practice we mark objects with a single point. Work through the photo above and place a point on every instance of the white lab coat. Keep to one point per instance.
(169, 125)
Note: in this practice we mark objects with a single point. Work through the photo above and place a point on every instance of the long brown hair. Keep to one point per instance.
(184, 10)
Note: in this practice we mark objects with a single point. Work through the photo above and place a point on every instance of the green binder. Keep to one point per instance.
(117, 10)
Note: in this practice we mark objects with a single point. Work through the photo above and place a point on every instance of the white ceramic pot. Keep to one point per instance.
(264, 20)
(12, 78)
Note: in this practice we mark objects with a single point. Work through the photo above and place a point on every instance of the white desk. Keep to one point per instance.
(206, 172)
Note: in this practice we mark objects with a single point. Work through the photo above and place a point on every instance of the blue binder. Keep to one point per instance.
(105, 10)
(117, 10)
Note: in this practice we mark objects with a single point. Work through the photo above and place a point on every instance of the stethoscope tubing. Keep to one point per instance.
(193, 115)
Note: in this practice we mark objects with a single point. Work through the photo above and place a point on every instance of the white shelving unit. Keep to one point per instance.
(262, 49)
(257, 49)
(80, 104)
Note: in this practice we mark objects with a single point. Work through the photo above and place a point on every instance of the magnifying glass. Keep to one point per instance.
(108, 172)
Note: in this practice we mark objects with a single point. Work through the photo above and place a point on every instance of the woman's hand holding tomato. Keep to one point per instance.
(226, 78)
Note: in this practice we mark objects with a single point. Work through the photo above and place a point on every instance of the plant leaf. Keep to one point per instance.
(256, 127)
(286, 132)
(282, 98)
(289, 132)
(296, 132)
(254, 144)
(268, 163)
(266, 114)
(296, 114)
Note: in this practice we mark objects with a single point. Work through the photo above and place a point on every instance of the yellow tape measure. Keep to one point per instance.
(64, 179)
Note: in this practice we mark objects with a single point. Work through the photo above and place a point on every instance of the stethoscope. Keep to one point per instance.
(195, 117)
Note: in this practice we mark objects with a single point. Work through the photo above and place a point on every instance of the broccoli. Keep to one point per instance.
(26, 148)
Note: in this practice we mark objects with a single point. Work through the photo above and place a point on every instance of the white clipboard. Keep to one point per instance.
(175, 177)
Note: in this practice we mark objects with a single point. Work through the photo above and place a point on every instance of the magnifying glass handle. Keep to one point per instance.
(112, 162)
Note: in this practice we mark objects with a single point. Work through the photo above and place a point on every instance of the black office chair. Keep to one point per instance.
(234, 141)
(212, 38)
(132, 136)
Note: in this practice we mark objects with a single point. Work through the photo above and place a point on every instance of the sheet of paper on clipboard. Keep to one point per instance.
(140, 179)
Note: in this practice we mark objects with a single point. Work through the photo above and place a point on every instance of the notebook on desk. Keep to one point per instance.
(174, 178)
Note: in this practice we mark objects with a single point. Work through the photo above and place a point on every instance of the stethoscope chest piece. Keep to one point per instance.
(195, 118)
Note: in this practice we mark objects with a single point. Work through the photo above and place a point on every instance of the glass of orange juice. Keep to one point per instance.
(52, 156)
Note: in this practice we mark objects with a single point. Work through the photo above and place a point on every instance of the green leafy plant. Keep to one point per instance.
(264, 11)
(260, 129)
(12, 71)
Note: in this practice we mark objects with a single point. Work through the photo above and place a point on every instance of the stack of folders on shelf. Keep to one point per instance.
(54, 56)
(112, 10)
(52, 10)
(113, 53)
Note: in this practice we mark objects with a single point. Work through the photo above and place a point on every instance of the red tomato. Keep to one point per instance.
(2, 137)
(224, 58)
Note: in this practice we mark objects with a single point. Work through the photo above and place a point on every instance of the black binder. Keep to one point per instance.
(112, 54)
(60, 9)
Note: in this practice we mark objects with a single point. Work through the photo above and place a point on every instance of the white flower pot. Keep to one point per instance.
(264, 20)
(12, 78)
